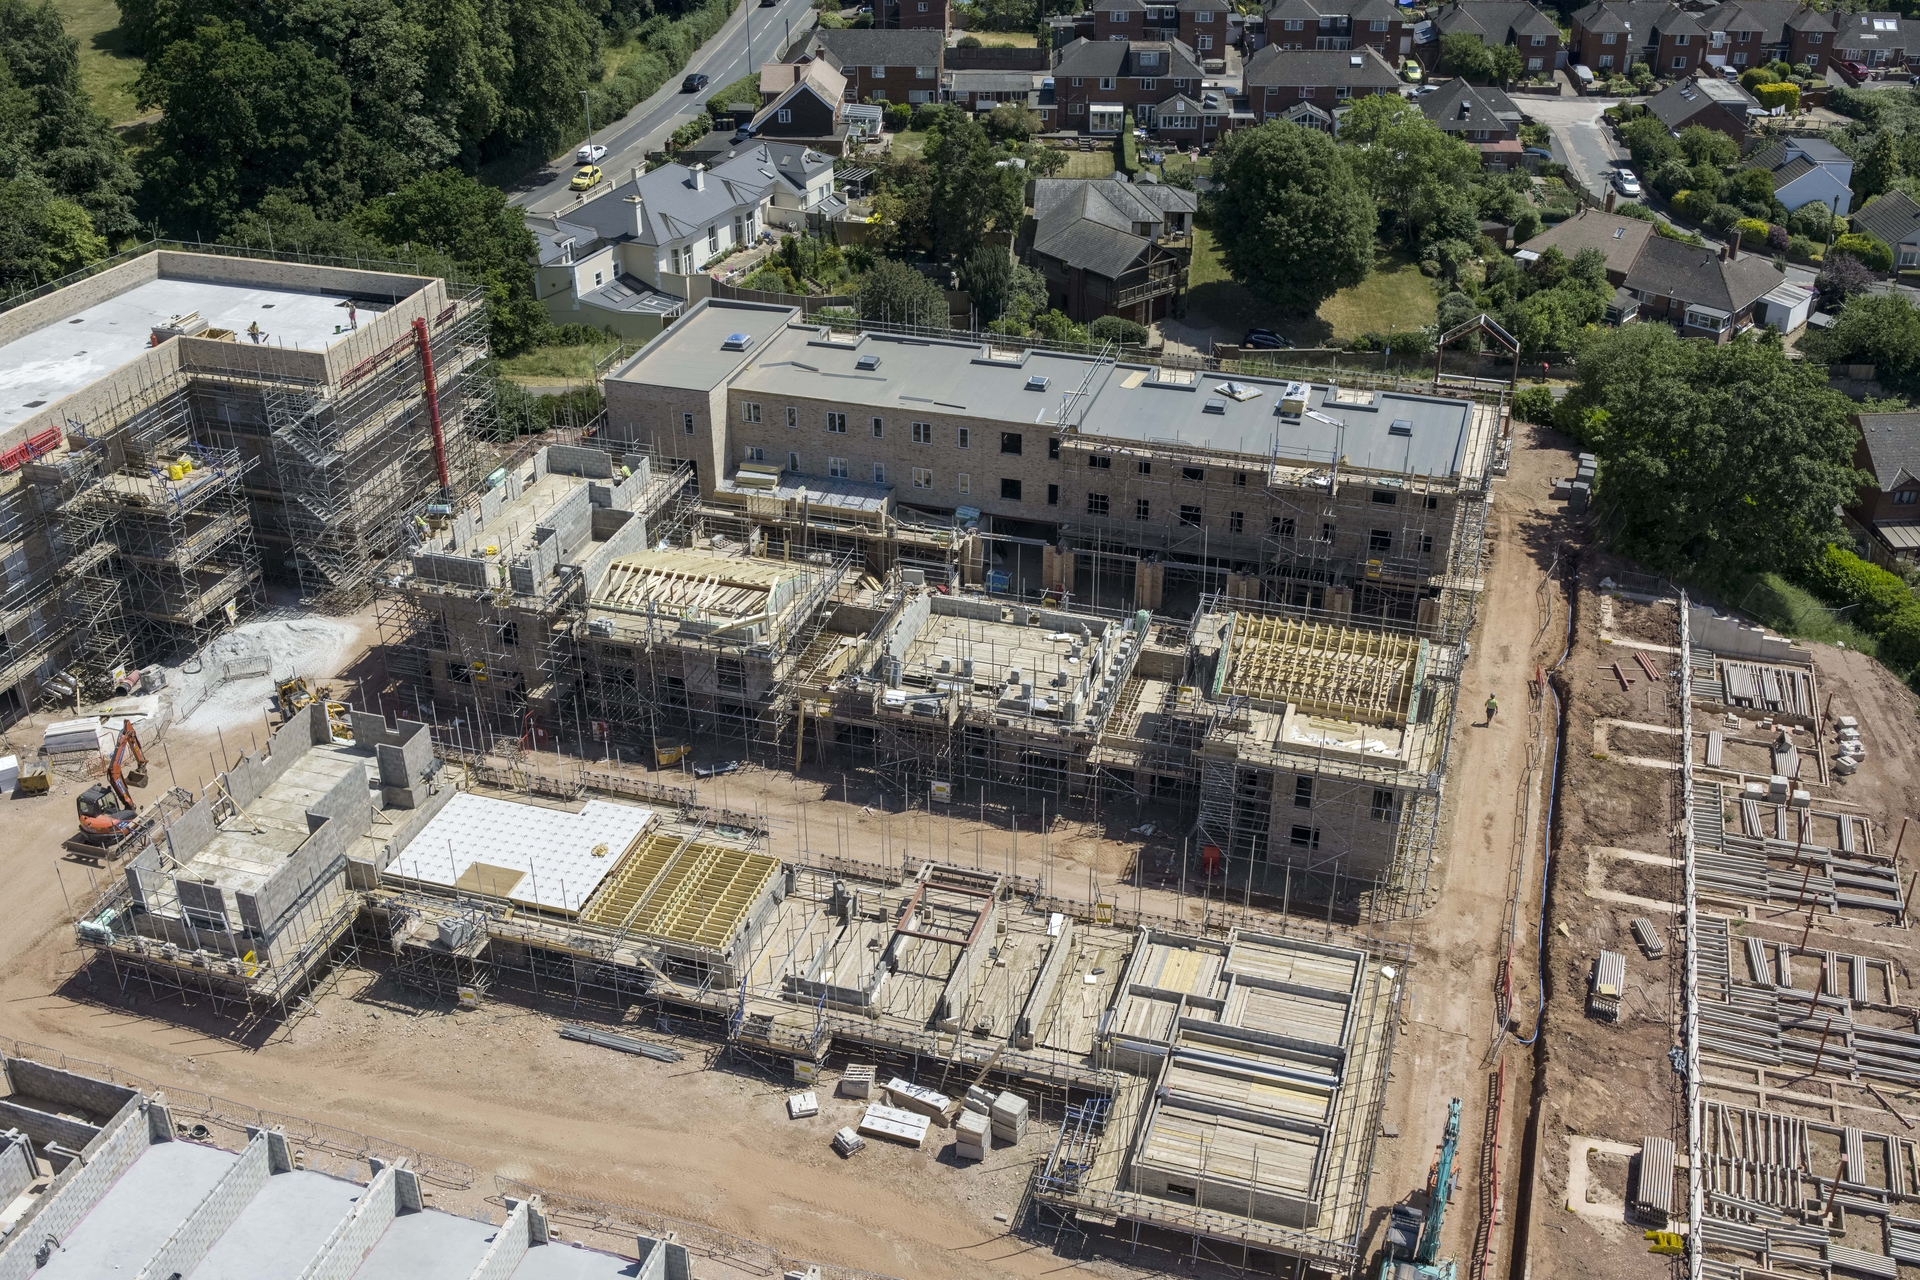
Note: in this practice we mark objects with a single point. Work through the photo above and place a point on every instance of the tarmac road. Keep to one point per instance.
(645, 128)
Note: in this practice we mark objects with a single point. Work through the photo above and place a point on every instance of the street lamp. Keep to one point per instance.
(586, 101)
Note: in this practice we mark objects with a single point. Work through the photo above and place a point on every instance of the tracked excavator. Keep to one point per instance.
(1413, 1235)
(107, 810)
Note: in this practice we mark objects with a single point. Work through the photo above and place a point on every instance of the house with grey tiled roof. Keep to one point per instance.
(1109, 247)
(1278, 78)
(1481, 115)
(1885, 517)
(1806, 171)
(1103, 86)
(1707, 100)
(1334, 24)
(1531, 32)
(1894, 220)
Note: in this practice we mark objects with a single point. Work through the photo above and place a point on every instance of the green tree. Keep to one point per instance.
(1876, 170)
(1413, 169)
(1465, 54)
(1702, 145)
(1013, 122)
(1504, 64)
(1649, 142)
(1721, 458)
(1879, 329)
(1294, 221)
(971, 191)
(42, 236)
(895, 293)
(987, 274)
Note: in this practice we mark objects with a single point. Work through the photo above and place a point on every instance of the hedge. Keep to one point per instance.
(1886, 608)
(1778, 95)
(1535, 405)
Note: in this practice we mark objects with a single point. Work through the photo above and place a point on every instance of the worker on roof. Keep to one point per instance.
(253, 331)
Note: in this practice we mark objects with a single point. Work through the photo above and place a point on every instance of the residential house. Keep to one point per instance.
(1515, 22)
(1485, 117)
(1807, 171)
(1277, 78)
(1103, 86)
(1704, 292)
(901, 65)
(1201, 25)
(984, 90)
(1336, 24)
(1611, 35)
(912, 15)
(1809, 37)
(1874, 39)
(1109, 247)
(1885, 517)
(623, 259)
(804, 104)
(1198, 118)
(1894, 220)
(1708, 100)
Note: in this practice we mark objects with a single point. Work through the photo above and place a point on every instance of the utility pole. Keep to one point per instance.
(586, 102)
(746, 20)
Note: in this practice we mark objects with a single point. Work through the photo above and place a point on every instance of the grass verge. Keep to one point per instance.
(550, 364)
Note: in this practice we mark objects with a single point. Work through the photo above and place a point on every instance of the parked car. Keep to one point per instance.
(1538, 153)
(592, 153)
(1265, 340)
(715, 770)
(586, 177)
(1410, 72)
(1626, 184)
(1858, 70)
(695, 83)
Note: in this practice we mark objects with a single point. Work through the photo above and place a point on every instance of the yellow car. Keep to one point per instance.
(586, 177)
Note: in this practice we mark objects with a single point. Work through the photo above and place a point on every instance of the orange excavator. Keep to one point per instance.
(107, 811)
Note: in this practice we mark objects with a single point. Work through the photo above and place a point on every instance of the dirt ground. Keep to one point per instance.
(708, 1142)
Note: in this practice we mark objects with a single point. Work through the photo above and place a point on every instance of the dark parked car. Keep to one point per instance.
(694, 83)
(1265, 340)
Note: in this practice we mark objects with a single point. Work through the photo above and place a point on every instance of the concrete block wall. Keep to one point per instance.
(432, 566)
(571, 460)
(411, 826)
(75, 1191)
(509, 1247)
(347, 1246)
(1735, 639)
(17, 1170)
(337, 819)
(218, 1210)
(29, 1079)
(44, 1127)
(1051, 969)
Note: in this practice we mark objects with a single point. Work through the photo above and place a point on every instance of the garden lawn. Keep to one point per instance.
(107, 70)
(1097, 163)
(1395, 296)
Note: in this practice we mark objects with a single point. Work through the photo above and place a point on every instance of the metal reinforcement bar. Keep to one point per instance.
(1690, 983)
(624, 1044)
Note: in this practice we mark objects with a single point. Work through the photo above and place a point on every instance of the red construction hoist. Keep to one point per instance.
(433, 404)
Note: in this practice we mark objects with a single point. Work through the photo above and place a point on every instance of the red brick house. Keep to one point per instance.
(1484, 117)
(1103, 86)
(891, 66)
(1338, 24)
(1531, 32)
(1612, 35)
(1278, 78)
(911, 15)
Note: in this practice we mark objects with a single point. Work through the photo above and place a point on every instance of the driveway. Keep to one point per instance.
(1580, 141)
(647, 127)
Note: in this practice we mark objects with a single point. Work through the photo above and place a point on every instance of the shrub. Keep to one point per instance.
(1117, 329)
(1778, 95)
(1777, 239)
(898, 117)
(1886, 607)
(967, 42)
(1757, 76)
(1870, 251)
(1535, 405)
(1900, 639)
(1799, 247)
(1753, 232)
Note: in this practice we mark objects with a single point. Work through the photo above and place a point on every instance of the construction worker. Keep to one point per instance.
(1492, 707)
(253, 331)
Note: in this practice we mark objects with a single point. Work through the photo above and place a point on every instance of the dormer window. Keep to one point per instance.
(1149, 59)
(566, 249)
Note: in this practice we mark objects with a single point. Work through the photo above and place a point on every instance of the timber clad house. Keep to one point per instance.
(1108, 247)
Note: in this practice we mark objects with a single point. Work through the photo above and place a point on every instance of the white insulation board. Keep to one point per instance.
(552, 848)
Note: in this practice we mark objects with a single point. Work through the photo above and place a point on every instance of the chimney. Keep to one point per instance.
(1733, 247)
(700, 177)
(1609, 200)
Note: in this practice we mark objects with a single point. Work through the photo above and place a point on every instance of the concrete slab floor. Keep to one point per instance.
(281, 1229)
(142, 1208)
(571, 1262)
(428, 1246)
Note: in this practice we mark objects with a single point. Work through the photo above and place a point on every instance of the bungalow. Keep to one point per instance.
(1894, 220)
(1278, 78)
(1485, 117)
(1885, 516)
(1807, 171)
(1707, 100)
(622, 260)
(1109, 247)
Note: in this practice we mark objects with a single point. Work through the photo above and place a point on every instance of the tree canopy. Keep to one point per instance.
(895, 293)
(1294, 221)
(1717, 458)
(66, 188)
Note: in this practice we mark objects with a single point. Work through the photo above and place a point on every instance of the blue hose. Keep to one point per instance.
(1546, 840)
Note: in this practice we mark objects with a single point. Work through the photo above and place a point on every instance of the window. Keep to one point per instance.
(966, 483)
(1282, 527)
(1053, 446)
(1203, 43)
(1539, 41)
(1053, 495)
(1144, 468)
(749, 412)
(1106, 82)
(1379, 541)
(1385, 497)
(1190, 515)
(1679, 64)
(793, 416)
(923, 433)
(1240, 479)
(1534, 64)
(1906, 497)
(1236, 522)
(1118, 15)
(1097, 504)
(837, 468)
(686, 423)
(923, 73)
(922, 478)
(1076, 109)
(1099, 462)
(1426, 544)
(598, 279)
(837, 423)
(1607, 38)
(1326, 531)
(756, 454)
(879, 428)
(1142, 509)
(713, 239)
(1342, 91)
(1304, 838)
(879, 473)
(793, 462)
(1680, 41)
(784, 116)
(879, 73)
(1606, 62)
(1146, 84)
(1293, 24)
(1010, 490)
(1010, 442)
(1740, 58)
(964, 439)
(1433, 504)
(1385, 806)
(1148, 59)
(1195, 474)
(1813, 37)
(1303, 791)
(1076, 82)
(1203, 17)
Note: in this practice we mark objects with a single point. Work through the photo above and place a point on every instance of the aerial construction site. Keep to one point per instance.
(881, 803)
